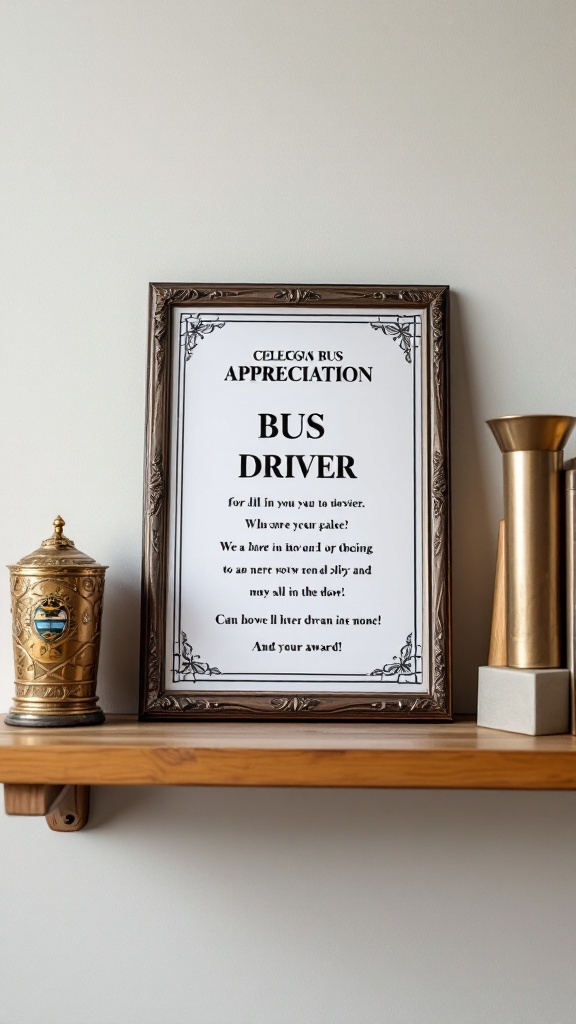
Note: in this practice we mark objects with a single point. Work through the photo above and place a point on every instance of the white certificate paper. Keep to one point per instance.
(295, 545)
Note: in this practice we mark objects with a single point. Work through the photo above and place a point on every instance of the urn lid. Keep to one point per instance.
(58, 550)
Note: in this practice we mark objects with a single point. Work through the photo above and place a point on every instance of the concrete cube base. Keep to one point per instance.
(532, 701)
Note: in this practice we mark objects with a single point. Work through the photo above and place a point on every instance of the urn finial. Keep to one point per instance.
(58, 540)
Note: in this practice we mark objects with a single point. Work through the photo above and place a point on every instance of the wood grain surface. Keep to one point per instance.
(30, 798)
(124, 751)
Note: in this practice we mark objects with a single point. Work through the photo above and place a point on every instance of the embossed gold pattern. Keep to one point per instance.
(56, 674)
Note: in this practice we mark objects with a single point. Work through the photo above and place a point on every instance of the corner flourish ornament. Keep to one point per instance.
(407, 663)
(193, 328)
(188, 664)
(401, 333)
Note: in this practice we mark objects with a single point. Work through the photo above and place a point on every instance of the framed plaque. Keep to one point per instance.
(296, 557)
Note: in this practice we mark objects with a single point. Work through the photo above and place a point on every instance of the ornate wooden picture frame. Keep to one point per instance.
(296, 541)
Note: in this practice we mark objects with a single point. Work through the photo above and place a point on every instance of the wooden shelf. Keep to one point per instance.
(125, 752)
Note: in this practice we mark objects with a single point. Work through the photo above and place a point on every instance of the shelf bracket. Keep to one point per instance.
(66, 808)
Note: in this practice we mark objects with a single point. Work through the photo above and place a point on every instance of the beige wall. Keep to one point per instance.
(423, 141)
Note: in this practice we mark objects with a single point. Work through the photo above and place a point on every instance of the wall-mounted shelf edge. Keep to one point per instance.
(125, 752)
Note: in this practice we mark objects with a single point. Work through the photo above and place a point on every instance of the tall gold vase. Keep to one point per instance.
(532, 447)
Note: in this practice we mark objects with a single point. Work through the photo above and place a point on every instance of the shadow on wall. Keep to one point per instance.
(474, 533)
(119, 654)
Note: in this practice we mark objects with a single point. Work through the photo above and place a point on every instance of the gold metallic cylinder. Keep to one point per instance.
(57, 596)
(571, 588)
(533, 509)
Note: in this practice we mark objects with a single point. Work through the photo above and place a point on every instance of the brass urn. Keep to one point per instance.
(56, 611)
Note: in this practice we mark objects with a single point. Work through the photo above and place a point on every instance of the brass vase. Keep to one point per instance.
(571, 585)
(532, 447)
(56, 611)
